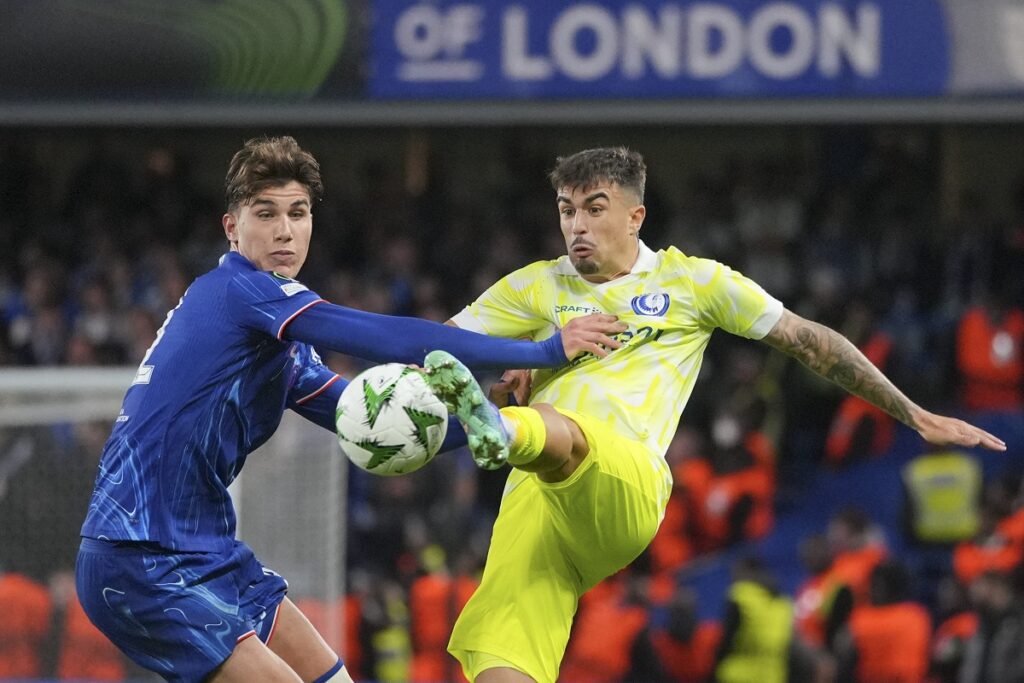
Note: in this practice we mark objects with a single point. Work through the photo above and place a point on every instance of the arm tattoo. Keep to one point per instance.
(832, 356)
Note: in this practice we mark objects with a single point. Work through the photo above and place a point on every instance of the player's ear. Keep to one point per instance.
(636, 218)
(230, 223)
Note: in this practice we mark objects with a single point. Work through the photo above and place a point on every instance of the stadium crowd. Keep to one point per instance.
(853, 231)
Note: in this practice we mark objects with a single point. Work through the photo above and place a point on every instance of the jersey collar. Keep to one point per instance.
(646, 261)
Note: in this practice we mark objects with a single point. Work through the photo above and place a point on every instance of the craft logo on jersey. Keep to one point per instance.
(650, 304)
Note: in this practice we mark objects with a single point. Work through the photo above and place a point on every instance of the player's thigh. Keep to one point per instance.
(254, 661)
(299, 644)
(149, 603)
(503, 675)
(610, 509)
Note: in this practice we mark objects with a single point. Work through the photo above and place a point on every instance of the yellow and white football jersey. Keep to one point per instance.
(670, 301)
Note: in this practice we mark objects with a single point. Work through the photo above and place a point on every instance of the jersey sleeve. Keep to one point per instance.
(314, 393)
(267, 302)
(506, 309)
(728, 300)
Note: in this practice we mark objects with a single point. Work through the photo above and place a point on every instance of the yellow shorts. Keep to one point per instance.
(553, 542)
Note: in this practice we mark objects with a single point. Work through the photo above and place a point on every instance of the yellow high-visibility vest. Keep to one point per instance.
(760, 648)
(944, 490)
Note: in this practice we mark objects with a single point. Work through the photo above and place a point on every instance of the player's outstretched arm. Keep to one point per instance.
(384, 338)
(586, 333)
(835, 358)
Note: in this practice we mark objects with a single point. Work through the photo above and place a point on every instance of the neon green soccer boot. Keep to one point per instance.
(454, 384)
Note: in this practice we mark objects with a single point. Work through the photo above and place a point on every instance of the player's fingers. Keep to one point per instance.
(609, 342)
(596, 349)
(603, 323)
(969, 435)
(612, 327)
(991, 441)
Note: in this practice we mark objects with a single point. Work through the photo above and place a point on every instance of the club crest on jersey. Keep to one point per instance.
(650, 304)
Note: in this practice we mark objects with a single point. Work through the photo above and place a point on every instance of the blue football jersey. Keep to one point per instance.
(211, 389)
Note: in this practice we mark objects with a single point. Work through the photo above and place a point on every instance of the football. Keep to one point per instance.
(389, 422)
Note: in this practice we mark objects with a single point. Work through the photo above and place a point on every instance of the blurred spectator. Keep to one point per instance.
(889, 636)
(683, 649)
(957, 625)
(436, 598)
(757, 633)
(672, 545)
(823, 602)
(387, 654)
(24, 627)
(857, 548)
(943, 492)
(611, 617)
(994, 654)
(38, 327)
(139, 334)
(990, 356)
(990, 550)
(739, 499)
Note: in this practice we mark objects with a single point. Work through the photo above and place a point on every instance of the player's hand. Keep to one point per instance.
(513, 383)
(591, 333)
(949, 431)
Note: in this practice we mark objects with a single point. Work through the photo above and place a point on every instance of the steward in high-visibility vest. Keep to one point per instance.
(943, 490)
(758, 629)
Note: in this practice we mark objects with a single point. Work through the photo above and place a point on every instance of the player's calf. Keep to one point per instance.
(454, 384)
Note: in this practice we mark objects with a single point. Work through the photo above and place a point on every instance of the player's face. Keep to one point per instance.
(600, 226)
(273, 230)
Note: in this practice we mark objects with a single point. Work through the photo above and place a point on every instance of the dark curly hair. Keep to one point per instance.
(585, 169)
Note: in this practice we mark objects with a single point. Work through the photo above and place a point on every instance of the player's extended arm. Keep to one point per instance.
(384, 339)
(835, 358)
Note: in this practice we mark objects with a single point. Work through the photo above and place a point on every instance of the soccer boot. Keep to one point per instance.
(454, 384)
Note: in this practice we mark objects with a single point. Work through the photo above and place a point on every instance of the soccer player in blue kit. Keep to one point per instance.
(159, 569)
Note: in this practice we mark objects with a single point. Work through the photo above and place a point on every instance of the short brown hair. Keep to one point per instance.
(266, 162)
(618, 165)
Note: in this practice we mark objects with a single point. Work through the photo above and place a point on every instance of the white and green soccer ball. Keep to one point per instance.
(389, 422)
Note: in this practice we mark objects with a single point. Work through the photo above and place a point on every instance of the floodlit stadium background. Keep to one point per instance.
(861, 160)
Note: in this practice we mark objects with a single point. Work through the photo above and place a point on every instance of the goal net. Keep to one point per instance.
(290, 497)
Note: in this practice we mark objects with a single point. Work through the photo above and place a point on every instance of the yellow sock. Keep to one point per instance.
(527, 434)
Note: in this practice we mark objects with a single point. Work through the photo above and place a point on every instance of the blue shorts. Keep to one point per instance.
(178, 614)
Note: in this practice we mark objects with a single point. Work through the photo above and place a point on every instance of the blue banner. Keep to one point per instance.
(658, 48)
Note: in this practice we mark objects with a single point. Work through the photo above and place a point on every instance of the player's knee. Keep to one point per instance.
(564, 437)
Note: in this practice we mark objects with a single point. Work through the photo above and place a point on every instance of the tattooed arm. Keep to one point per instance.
(832, 356)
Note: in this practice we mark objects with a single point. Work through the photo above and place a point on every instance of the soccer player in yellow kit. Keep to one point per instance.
(590, 482)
